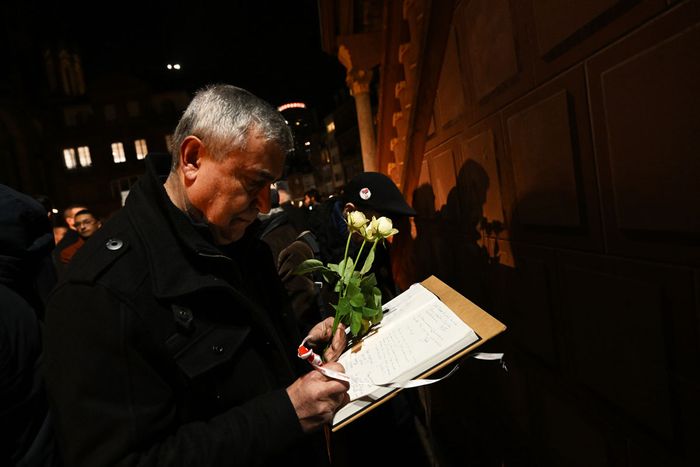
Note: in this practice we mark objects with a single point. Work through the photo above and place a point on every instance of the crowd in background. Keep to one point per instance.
(129, 342)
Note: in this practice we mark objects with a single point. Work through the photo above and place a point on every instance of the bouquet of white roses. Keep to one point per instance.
(359, 300)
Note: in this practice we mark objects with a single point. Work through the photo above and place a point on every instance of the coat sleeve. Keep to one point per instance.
(105, 415)
(301, 290)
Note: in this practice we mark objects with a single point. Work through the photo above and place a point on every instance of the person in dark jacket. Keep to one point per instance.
(169, 341)
(26, 276)
(290, 248)
(374, 194)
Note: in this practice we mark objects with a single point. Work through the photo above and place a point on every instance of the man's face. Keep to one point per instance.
(69, 215)
(231, 192)
(86, 225)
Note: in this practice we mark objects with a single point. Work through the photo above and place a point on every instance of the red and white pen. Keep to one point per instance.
(306, 353)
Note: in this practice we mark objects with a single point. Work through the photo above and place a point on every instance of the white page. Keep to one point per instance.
(415, 296)
(409, 342)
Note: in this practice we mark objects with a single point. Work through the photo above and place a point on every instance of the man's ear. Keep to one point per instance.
(349, 207)
(191, 154)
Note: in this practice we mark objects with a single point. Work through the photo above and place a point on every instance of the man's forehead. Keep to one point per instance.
(71, 212)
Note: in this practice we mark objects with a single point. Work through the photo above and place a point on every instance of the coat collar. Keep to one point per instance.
(178, 252)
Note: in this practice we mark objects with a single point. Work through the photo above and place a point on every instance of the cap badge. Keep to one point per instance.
(365, 194)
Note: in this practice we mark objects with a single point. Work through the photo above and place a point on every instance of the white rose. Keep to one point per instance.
(371, 232)
(356, 220)
(385, 228)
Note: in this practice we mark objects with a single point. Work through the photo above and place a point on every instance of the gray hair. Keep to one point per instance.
(223, 116)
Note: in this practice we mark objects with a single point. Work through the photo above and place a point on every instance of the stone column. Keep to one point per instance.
(358, 82)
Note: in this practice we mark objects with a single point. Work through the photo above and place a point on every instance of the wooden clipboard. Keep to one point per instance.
(485, 326)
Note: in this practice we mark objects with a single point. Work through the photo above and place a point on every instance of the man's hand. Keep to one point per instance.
(316, 398)
(321, 333)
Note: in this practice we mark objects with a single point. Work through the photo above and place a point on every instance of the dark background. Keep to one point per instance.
(270, 47)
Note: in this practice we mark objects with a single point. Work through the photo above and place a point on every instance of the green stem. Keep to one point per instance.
(336, 322)
(374, 246)
(345, 264)
(355, 263)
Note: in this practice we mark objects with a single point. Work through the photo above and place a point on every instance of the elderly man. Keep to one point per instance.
(170, 341)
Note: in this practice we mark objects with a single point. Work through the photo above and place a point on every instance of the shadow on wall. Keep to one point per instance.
(448, 242)
(474, 417)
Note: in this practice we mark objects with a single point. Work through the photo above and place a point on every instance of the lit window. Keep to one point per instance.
(118, 153)
(330, 127)
(141, 148)
(84, 156)
(69, 158)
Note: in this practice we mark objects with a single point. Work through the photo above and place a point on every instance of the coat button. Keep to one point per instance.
(219, 349)
(114, 244)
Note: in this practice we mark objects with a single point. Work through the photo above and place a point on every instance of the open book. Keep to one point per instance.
(424, 329)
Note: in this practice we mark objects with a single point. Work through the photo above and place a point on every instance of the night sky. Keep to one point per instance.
(272, 48)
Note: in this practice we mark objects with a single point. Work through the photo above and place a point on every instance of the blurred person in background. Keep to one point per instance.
(85, 224)
(26, 277)
(69, 238)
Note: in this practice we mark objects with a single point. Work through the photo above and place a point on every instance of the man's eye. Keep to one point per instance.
(253, 186)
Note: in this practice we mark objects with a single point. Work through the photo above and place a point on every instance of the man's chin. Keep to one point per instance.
(226, 237)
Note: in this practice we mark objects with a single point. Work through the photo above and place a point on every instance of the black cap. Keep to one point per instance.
(376, 191)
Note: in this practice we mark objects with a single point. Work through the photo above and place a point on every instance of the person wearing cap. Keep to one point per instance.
(374, 194)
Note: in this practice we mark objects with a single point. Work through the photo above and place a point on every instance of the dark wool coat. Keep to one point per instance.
(26, 276)
(163, 350)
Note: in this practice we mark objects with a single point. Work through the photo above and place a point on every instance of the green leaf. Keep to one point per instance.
(369, 313)
(310, 265)
(355, 280)
(329, 276)
(377, 297)
(368, 281)
(348, 272)
(368, 262)
(365, 326)
(344, 307)
(351, 290)
(356, 323)
(357, 300)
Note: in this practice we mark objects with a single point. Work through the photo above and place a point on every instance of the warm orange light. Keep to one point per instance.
(291, 105)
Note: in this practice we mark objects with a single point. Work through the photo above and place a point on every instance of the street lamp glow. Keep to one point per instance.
(176, 66)
(170, 67)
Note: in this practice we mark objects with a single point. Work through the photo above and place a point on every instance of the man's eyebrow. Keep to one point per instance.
(267, 175)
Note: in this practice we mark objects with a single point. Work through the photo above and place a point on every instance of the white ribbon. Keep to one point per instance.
(363, 387)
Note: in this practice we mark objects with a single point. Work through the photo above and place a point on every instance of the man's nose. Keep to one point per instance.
(262, 201)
